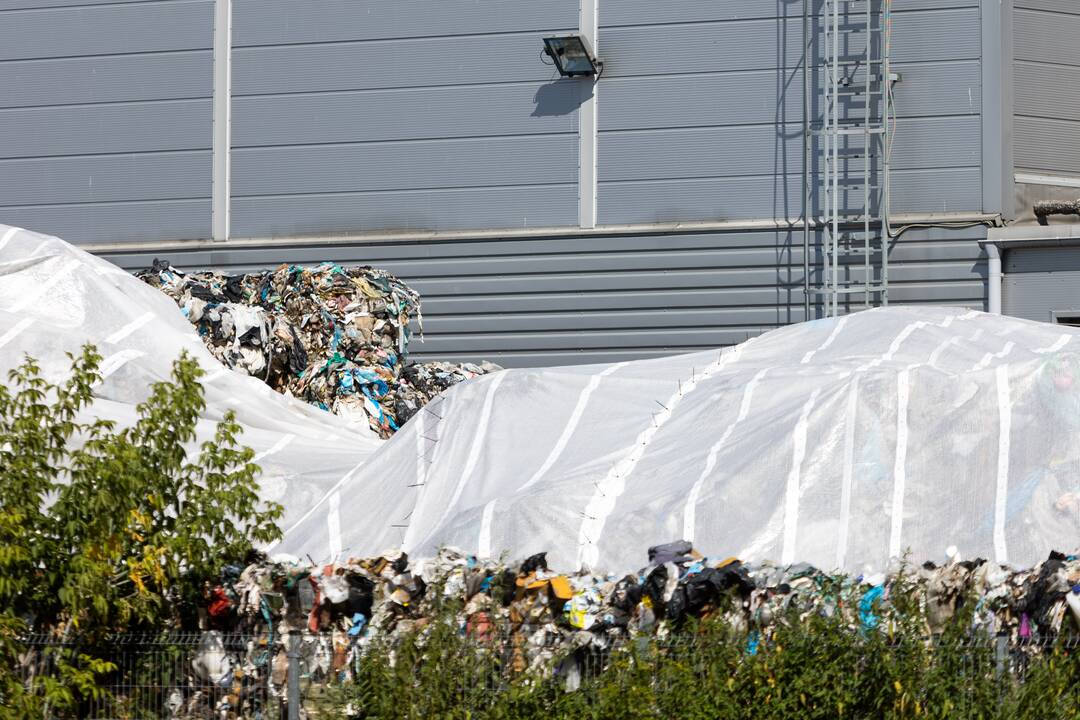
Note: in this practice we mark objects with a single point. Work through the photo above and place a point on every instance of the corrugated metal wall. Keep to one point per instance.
(1046, 52)
(547, 301)
(105, 122)
(701, 107)
(352, 116)
(357, 115)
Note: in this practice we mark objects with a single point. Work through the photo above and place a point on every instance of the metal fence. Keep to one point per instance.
(196, 676)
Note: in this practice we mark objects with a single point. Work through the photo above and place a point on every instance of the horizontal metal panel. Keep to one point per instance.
(1042, 260)
(458, 259)
(271, 22)
(673, 337)
(545, 301)
(665, 279)
(1049, 91)
(114, 78)
(444, 306)
(1058, 6)
(106, 29)
(761, 149)
(1034, 296)
(118, 128)
(754, 44)
(541, 206)
(1046, 145)
(740, 198)
(613, 320)
(6, 5)
(1046, 37)
(144, 176)
(407, 114)
(117, 222)
(650, 12)
(741, 98)
(415, 62)
(403, 166)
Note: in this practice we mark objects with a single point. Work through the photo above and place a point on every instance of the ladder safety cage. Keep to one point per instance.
(854, 130)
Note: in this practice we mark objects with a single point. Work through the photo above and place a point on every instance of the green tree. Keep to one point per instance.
(106, 529)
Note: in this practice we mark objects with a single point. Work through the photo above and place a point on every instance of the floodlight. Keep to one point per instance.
(572, 56)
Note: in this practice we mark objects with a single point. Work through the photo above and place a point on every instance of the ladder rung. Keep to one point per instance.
(856, 290)
(855, 92)
(848, 291)
(859, 130)
(849, 130)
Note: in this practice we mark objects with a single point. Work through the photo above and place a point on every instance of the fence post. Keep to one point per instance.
(293, 654)
(1001, 654)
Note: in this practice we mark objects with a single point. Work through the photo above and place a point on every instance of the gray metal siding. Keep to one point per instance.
(353, 115)
(589, 299)
(1039, 281)
(105, 118)
(701, 108)
(1047, 86)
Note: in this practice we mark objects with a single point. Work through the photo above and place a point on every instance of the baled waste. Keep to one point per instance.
(335, 337)
(541, 619)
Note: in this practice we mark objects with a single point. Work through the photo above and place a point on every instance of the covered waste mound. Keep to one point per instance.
(335, 337)
(842, 442)
(540, 617)
(54, 298)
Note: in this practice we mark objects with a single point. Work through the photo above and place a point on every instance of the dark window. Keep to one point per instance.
(1070, 319)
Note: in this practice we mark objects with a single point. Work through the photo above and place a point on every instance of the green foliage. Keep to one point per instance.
(810, 667)
(105, 529)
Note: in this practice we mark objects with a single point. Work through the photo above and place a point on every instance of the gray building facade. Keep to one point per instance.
(544, 220)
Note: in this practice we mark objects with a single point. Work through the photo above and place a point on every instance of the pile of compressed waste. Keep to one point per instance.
(335, 337)
(545, 616)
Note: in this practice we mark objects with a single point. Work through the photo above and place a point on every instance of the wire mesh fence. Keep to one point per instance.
(192, 676)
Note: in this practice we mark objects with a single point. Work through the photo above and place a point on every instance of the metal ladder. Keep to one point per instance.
(855, 136)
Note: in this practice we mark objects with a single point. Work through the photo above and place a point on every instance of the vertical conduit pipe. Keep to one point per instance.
(807, 145)
(993, 279)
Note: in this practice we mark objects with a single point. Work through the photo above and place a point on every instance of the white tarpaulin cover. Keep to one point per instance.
(838, 442)
(843, 443)
(54, 298)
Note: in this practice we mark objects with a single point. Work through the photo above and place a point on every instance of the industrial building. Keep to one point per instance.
(664, 204)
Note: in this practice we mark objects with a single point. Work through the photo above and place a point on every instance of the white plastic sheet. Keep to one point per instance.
(55, 297)
(845, 443)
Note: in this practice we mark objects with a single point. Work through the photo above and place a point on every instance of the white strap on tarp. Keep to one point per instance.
(791, 496)
(990, 357)
(333, 525)
(38, 290)
(848, 471)
(15, 330)
(1004, 432)
(281, 444)
(571, 425)
(337, 486)
(1059, 344)
(903, 394)
(116, 361)
(479, 440)
(6, 237)
(612, 485)
(486, 518)
(828, 341)
(690, 509)
(130, 328)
